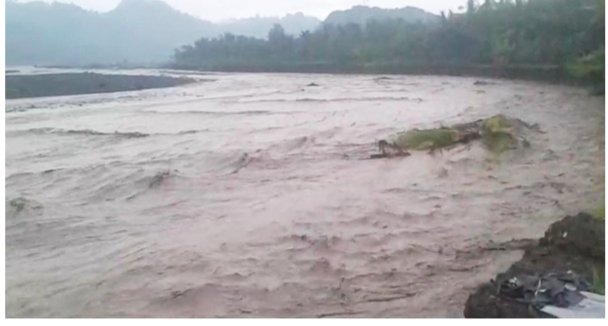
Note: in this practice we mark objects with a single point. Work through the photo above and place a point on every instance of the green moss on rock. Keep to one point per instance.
(598, 284)
(427, 139)
(497, 133)
(600, 212)
(590, 69)
(497, 124)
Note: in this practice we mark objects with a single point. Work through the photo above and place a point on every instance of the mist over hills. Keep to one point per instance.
(144, 31)
(361, 15)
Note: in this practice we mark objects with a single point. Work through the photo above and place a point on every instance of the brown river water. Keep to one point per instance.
(249, 195)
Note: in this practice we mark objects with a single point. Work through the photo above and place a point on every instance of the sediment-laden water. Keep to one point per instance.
(250, 195)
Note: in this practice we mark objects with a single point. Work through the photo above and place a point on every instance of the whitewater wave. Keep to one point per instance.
(82, 132)
(89, 132)
(338, 99)
(224, 113)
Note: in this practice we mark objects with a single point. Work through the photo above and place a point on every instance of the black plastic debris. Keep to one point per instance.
(557, 289)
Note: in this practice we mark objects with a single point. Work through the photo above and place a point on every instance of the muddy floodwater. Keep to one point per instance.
(250, 195)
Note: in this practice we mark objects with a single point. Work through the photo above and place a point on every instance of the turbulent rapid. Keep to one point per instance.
(251, 195)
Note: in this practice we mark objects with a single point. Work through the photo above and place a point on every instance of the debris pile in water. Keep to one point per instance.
(498, 133)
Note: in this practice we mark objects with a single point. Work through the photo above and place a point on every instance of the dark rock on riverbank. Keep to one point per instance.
(23, 86)
(575, 244)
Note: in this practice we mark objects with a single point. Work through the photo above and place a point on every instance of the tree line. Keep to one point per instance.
(542, 35)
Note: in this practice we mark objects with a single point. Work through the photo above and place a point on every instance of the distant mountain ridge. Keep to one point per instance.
(136, 31)
(362, 14)
(293, 24)
(145, 31)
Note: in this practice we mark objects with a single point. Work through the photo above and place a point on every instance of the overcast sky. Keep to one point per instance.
(217, 10)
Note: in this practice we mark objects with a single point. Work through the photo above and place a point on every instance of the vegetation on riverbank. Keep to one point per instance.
(600, 212)
(590, 70)
(599, 273)
(538, 39)
(599, 280)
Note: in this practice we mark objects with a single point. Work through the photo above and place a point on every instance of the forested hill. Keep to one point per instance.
(135, 32)
(503, 33)
(64, 34)
(362, 15)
